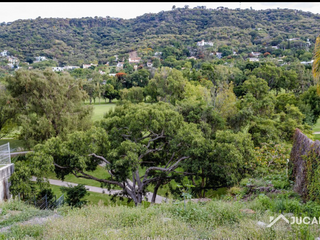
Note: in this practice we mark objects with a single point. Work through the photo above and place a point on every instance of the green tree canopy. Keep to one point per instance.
(49, 104)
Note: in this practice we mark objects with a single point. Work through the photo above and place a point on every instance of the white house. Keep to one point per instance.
(149, 64)
(120, 64)
(203, 43)
(274, 47)
(219, 54)
(102, 72)
(310, 62)
(12, 60)
(254, 59)
(134, 60)
(293, 39)
(40, 58)
(308, 42)
(57, 69)
(4, 53)
(256, 54)
(89, 65)
(157, 53)
(70, 67)
(112, 74)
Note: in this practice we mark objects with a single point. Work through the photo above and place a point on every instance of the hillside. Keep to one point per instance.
(77, 41)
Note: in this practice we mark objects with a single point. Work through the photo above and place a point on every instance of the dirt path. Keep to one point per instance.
(316, 133)
(159, 199)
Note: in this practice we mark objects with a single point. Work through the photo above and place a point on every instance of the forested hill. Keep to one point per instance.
(75, 41)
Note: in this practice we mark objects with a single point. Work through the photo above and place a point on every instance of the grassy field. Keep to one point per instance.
(316, 128)
(100, 172)
(14, 144)
(101, 109)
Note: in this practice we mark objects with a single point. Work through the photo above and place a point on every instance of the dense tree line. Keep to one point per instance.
(75, 41)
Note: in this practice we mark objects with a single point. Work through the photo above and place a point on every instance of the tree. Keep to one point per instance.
(140, 78)
(134, 94)
(170, 84)
(7, 112)
(316, 63)
(110, 92)
(49, 104)
(152, 139)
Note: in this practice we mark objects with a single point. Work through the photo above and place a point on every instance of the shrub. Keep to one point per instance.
(75, 195)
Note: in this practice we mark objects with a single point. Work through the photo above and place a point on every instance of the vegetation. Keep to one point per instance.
(201, 122)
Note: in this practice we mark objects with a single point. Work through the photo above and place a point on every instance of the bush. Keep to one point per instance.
(74, 195)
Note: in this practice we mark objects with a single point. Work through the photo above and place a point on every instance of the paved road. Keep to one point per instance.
(159, 199)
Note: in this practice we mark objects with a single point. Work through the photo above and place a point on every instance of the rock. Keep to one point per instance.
(166, 219)
(250, 211)
(261, 224)
(196, 200)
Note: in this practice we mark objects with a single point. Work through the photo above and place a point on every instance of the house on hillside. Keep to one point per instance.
(254, 59)
(219, 54)
(309, 62)
(4, 53)
(70, 67)
(102, 72)
(274, 47)
(192, 57)
(119, 66)
(135, 60)
(89, 65)
(158, 53)
(57, 69)
(40, 58)
(293, 39)
(203, 43)
(149, 64)
(256, 54)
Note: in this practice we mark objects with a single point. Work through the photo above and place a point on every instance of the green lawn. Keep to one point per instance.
(14, 144)
(316, 127)
(100, 172)
(100, 110)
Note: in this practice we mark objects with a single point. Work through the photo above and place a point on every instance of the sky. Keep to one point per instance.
(11, 11)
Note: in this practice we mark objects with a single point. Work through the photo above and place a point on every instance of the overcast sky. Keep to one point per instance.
(11, 11)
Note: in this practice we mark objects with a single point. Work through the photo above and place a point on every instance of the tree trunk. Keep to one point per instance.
(110, 100)
(154, 195)
(202, 184)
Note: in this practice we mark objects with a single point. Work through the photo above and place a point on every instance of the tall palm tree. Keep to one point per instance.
(316, 64)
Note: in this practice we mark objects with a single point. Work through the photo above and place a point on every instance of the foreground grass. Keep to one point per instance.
(218, 219)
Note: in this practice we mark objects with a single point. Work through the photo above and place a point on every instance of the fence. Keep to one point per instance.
(45, 202)
(5, 156)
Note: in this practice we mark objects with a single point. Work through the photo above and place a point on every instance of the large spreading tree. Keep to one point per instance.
(140, 144)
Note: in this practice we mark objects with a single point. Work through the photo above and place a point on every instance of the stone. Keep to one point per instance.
(261, 224)
(166, 219)
(249, 211)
